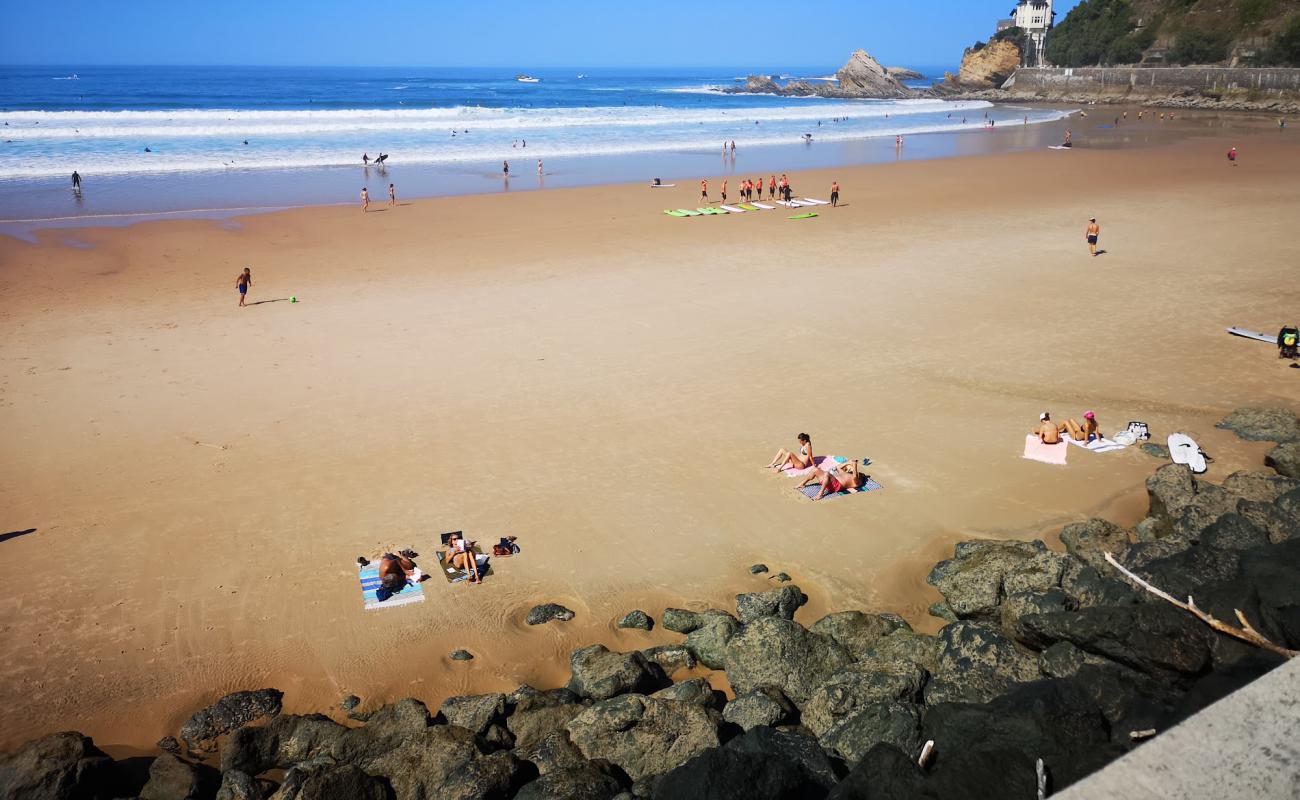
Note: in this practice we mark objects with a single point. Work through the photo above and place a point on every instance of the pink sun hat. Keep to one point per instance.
(1089, 415)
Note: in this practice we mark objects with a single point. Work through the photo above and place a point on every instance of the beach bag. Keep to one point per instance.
(1289, 337)
(1139, 430)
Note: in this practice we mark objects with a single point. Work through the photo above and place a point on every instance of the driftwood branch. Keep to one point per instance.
(1245, 633)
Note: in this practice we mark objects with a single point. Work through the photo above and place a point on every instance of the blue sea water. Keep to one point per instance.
(164, 124)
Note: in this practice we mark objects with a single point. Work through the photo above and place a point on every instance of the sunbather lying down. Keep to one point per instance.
(394, 572)
(461, 555)
(846, 475)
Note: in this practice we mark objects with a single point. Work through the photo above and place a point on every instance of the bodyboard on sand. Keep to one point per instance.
(764, 206)
(732, 209)
(1259, 337)
(1035, 450)
(809, 215)
(369, 576)
(675, 213)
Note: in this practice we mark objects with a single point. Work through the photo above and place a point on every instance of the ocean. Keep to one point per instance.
(165, 139)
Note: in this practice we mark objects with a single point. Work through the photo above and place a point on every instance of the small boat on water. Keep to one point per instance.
(580, 77)
(522, 78)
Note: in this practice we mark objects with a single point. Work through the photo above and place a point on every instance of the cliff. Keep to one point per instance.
(861, 77)
(986, 67)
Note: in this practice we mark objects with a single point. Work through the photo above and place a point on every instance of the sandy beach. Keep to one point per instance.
(576, 369)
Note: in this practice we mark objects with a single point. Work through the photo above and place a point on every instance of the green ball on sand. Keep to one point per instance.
(293, 298)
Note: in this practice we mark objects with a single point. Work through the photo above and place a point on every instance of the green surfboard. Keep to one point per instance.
(675, 213)
(809, 215)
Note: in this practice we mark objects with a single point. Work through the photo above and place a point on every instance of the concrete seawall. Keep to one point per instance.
(1154, 80)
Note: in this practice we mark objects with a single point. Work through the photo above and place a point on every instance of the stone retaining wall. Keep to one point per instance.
(1154, 80)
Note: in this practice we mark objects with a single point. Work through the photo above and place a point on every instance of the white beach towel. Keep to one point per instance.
(1098, 445)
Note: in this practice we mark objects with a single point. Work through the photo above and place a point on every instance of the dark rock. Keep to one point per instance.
(474, 712)
(642, 735)
(976, 664)
(771, 651)
(695, 691)
(57, 766)
(1285, 458)
(168, 744)
(599, 673)
(546, 612)
(498, 737)
(867, 685)
(281, 743)
(236, 785)
(1289, 504)
(763, 706)
(1086, 586)
(855, 631)
(903, 646)
(590, 781)
(1189, 570)
(981, 572)
(1182, 504)
(1233, 532)
(1270, 518)
(1148, 530)
(942, 610)
(526, 698)
(533, 725)
(725, 774)
(1263, 424)
(781, 603)
(637, 619)
(1264, 487)
(446, 761)
(554, 752)
(461, 655)
(898, 724)
(1064, 660)
(1016, 605)
(781, 577)
(386, 729)
(670, 657)
(230, 712)
(1089, 541)
(339, 781)
(794, 745)
(1156, 450)
(1153, 638)
(350, 702)
(679, 620)
(758, 569)
(708, 643)
(173, 778)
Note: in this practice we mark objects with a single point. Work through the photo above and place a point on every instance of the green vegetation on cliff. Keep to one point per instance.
(1249, 32)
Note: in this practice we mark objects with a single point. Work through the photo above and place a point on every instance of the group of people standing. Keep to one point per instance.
(751, 190)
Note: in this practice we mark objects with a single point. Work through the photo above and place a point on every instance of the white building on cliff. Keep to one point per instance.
(1034, 17)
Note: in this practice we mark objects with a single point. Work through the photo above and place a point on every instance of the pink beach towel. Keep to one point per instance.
(1035, 450)
(806, 471)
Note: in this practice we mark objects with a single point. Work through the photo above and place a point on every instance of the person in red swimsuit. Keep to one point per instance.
(844, 476)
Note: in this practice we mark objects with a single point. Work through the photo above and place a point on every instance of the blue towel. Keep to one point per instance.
(369, 575)
(810, 491)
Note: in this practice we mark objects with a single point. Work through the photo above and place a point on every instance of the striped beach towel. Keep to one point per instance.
(811, 490)
(369, 575)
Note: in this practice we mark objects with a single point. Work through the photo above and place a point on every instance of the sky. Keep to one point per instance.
(494, 33)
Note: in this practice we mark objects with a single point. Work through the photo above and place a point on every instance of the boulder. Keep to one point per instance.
(526, 698)
(1018, 604)
(461, 655)
(902, 647)
(847, 693)
(1263, 424)
(1285, 458)
(1289, 504)
(638, 620)
(473, 712)
(904, 74)
(725, 774)
(554, 752)
(782, 577)
(695, 691)
(771, 651)
(531, 726)
(1156, 450)
(1089, 541)
(762, 706)
(981, 572)
(230, 712)
(1264, 487)
(589, 781)
(236, 785)
(758, 569)
(1233, 532)
(1154, 638)
(57, 766)
(1276, 523)
(782, 602)
(855, 631)
(708, 643)
(1064, 660)
(1183, 505)
(338, 781)
(794, 745)
(977, 663)
(862, 76)
(539, 615)
(942, 611)
(385, 729)
(174, 778)
(446, 761)
(679, 620)
(898, 724)
(761, 84)
(642, 735)
(670, 657)
(284, 741)
(599, 673)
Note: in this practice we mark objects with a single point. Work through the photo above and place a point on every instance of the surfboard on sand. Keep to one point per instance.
(675, 213)
(748, 207)
(763, 206)
(689, 212)
(808, 215)
(1259, 337)
(815, 202)
(1184, 450)
(662, 185)
(732, 209)
(1059, 147)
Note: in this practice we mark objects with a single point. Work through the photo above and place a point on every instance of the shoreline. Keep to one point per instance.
(486, 336)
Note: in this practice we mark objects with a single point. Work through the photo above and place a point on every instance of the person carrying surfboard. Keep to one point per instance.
(1094, 231)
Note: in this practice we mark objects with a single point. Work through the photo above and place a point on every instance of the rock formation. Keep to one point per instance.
(987, 67)
(904, 74)
(861, 77)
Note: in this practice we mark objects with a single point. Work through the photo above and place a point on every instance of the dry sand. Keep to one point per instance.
(574, 368)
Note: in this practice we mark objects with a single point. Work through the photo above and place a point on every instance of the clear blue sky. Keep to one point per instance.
(495, 33)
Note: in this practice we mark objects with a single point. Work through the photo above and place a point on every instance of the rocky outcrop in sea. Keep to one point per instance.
(1046, 655)
(986, 67)
(861, 77)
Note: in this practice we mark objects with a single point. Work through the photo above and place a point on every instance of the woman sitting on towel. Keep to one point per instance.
(800, 460)
(1086, 432)
(460, 554)
(845, 476)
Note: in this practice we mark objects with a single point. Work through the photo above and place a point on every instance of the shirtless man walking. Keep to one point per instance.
(704, 191)
(1094, 231)
(242, 283)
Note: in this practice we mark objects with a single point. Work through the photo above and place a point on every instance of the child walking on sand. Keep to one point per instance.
(242, 283)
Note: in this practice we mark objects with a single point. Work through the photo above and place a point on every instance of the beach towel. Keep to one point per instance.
(1035, 450)
(454, 575)
(810, 491)
(1098, 445)
(818, 461)
(369, 576)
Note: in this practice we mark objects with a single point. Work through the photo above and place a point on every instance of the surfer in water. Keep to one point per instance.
(76, 182)
(365, 159)
(392, 195)
(1094, 231)
(505, 168)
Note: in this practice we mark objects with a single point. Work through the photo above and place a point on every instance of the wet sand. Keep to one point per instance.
(574, 368)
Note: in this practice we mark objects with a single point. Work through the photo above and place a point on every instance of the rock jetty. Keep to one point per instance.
(1047, 655)
(861, 77)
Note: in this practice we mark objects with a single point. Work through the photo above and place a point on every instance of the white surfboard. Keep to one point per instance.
(1184, 450)
(1059, 147)
(662, 185)
(1259, 337)
(732, 209)
(763, 206)
(816, 202)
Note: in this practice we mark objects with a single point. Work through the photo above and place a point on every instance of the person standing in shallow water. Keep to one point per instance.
(242, 283)
(76, 182)
(392, 195)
